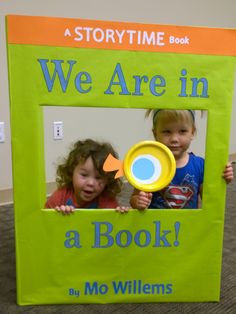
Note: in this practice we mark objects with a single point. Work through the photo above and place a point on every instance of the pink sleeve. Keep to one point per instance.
(56, 199)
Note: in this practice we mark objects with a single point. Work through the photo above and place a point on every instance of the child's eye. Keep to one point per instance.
(83, 174)
(166, 132)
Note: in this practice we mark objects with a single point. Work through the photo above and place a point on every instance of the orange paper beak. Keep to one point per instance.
(113, 164)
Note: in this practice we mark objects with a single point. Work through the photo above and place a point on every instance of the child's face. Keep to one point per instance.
(176, 135)
(87, 182)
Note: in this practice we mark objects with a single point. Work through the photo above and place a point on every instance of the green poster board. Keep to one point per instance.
(101, 256)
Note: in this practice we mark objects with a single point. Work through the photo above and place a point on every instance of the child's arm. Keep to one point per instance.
(228, 173)
(140, 199)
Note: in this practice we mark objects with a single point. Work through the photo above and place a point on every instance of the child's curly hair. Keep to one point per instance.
(81, 150)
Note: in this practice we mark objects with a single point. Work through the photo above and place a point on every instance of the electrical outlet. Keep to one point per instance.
(2, 132)
(58, 130)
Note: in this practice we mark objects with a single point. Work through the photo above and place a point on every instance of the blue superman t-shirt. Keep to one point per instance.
(184, 189)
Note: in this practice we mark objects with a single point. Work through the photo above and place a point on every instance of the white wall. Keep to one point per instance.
(112, 125)
(212, 13)
(121, 127)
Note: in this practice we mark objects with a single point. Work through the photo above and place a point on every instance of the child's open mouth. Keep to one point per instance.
(88, 194)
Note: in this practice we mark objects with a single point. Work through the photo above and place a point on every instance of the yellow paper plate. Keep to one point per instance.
(149, 166)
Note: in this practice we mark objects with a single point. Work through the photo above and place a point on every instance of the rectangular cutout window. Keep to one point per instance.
(121, 127)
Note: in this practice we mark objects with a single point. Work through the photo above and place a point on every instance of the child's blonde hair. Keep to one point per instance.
(171, 114)
(80, 152)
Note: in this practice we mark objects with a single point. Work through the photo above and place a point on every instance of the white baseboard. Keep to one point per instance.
(6, 195)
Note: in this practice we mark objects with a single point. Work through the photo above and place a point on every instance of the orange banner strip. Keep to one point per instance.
(80, 33)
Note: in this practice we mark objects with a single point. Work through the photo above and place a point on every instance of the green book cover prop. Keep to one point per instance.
(100, 256)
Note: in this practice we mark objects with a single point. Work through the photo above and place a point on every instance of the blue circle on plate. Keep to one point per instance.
(143, 169)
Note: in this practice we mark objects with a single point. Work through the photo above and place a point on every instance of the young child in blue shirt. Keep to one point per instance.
(176, 129)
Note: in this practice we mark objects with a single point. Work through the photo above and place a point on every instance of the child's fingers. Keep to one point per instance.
(229, 167)
(145, 199)
(145, 195)
(141, 199)
(122, 209)
(228, 173)
(143, 203)
(65, 209)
